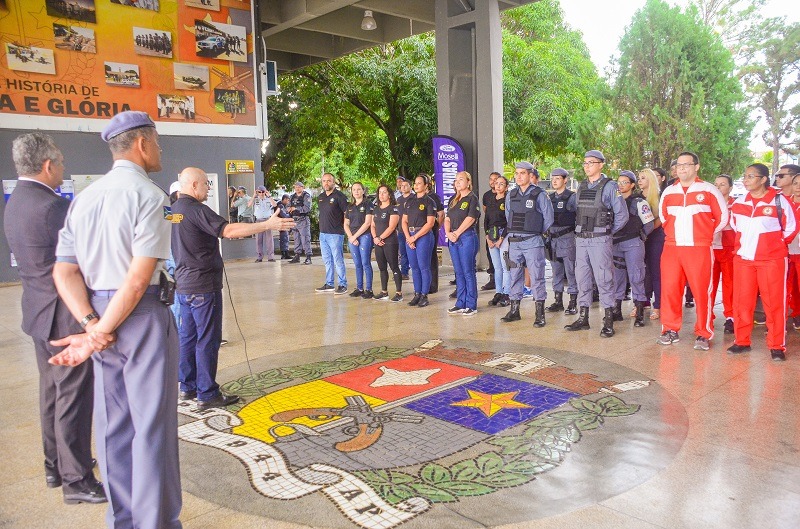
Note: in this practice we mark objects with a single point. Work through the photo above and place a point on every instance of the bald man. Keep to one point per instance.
(198, 273)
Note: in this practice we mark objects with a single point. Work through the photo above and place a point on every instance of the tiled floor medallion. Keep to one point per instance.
(378, 435)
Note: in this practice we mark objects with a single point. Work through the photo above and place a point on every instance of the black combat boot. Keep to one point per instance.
(539, 321)
(572, 308)
(285, 255)
(513, 313)
(581, 323)
(639, 319)
(616, 312)
(558, 304)
(296, 258)
(608, 324)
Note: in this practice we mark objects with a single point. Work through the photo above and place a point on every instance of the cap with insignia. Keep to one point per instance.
(595, 154)
(558, 171)
(629, 174)
(528, 166)
(125, 121)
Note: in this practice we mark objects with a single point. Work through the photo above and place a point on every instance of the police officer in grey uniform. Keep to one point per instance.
(109, 265)
(530, 214)
(562, 242)
(601, 212)
(629, 248)
(300, 209)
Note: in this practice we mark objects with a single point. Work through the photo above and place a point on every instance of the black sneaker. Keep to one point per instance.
(187, 395)
(778, 355)
(397, 298)
(367, 294)
(701, 343)
(454, 294)
(669, 338)
(382, 296)
(689, 304)
(759, 318)
(489, 285)
(223, 342)
(728, 327)
(738, 349)
(404, 276)
(341, 289)
(796, 323)
(258, 260)
(325, 288)
(452, 281)
(415, 300)
(469, 312)
(356, 293)
(220, 401)
(423, 301)
(455, 310)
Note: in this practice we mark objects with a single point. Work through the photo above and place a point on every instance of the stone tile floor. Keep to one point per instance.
(738, 467)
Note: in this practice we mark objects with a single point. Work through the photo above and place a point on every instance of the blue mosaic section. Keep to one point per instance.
(540, 399)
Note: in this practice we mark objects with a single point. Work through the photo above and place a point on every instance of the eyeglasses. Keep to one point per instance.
(751, 176)
(590, 163)
(688, 164)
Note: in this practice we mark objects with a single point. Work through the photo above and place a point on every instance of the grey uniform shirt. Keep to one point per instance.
(121, 216)
(543, 204)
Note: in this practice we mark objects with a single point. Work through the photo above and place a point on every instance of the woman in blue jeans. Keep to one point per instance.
(463, 212)
(419, 214)
(357, 224)
(494, 207)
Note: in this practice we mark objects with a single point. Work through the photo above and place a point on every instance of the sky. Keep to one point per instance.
(603, 24)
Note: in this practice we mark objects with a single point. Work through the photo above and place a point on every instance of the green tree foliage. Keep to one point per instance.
(674, 90)
(771, 77)
(552, 95)
(733, 20)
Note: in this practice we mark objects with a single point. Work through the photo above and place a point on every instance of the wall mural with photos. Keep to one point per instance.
(179, 60)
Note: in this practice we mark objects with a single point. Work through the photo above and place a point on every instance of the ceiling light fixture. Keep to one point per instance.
(368, 23)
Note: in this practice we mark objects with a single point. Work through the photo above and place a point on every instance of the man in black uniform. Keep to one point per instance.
(562, 242)
(332, 207)
(198, 273)
(300, 209)
(487, 198)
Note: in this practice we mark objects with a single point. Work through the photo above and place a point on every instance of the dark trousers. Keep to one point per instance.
(136, 418)
(200, 332)
(653, 247)
(284, 238)
(386, 257)
(434, 269)
(489, 270)
(401, 242)
(65, 409)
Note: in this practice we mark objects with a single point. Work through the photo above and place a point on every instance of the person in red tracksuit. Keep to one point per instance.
(724, 242)
(764, 223)
(691, 211)
(793, 278)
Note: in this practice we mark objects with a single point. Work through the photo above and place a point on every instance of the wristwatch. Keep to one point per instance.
(89, 317)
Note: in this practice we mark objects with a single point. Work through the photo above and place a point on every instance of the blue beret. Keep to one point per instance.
(524, 165)
(558, 171)
(125, 121)
(595, 154)
(299, 183)
(629, 174)
(261, 188)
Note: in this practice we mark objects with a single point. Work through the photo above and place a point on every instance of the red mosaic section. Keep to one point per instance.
(360, 380)
(582, 384)
(457, 355)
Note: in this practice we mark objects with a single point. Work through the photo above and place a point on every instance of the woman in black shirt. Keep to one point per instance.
(495, 223)
(357, 224)
(419, 215)
(385, 218)
(459, 225)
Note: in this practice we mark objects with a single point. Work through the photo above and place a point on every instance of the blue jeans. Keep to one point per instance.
(333, 256)
(420, 260)
(502, 276)
(401, 240)
(462, 252)
(200, 333)
(361, 257)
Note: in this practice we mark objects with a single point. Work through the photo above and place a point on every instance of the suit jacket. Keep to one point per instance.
(33, 217)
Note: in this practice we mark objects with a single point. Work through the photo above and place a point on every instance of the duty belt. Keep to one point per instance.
(413, 229)
(560, 233)
(152, 289)
(592, 234)
(513, 238)
(299, 214)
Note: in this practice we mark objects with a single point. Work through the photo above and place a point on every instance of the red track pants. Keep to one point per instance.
(681, 265)
(793, 286)
(723, 268)
(752, 277)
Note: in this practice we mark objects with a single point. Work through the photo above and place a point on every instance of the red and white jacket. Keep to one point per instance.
(691, 217)
(726, 237)
(760, 235)
(794, 246)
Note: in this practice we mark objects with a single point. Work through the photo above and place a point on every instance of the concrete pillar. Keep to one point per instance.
(469, 75)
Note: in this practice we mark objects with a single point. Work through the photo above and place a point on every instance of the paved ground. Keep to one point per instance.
(505, 425)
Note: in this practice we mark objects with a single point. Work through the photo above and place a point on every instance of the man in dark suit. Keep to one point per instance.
(33, 216)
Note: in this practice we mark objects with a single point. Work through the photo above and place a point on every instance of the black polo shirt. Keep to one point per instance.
(495, 221)
(357, 214)
(381, 218)
(439, 207)
(418, 210)
(459, 211)
(196, 231)
(331, 212)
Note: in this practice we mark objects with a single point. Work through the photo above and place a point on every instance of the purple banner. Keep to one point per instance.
(448, 160)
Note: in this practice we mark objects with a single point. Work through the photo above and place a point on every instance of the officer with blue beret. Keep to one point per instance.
(562, 243)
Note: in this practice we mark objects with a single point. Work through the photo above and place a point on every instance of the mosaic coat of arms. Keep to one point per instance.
(387, 434)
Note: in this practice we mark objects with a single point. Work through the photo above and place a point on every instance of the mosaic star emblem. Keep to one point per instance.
(394, 377)
(489, 403)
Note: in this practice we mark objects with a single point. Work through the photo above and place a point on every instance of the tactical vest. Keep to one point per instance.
(592, 214)
(298, 202)
(563, 220)
(525, 215)
(633, 228)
